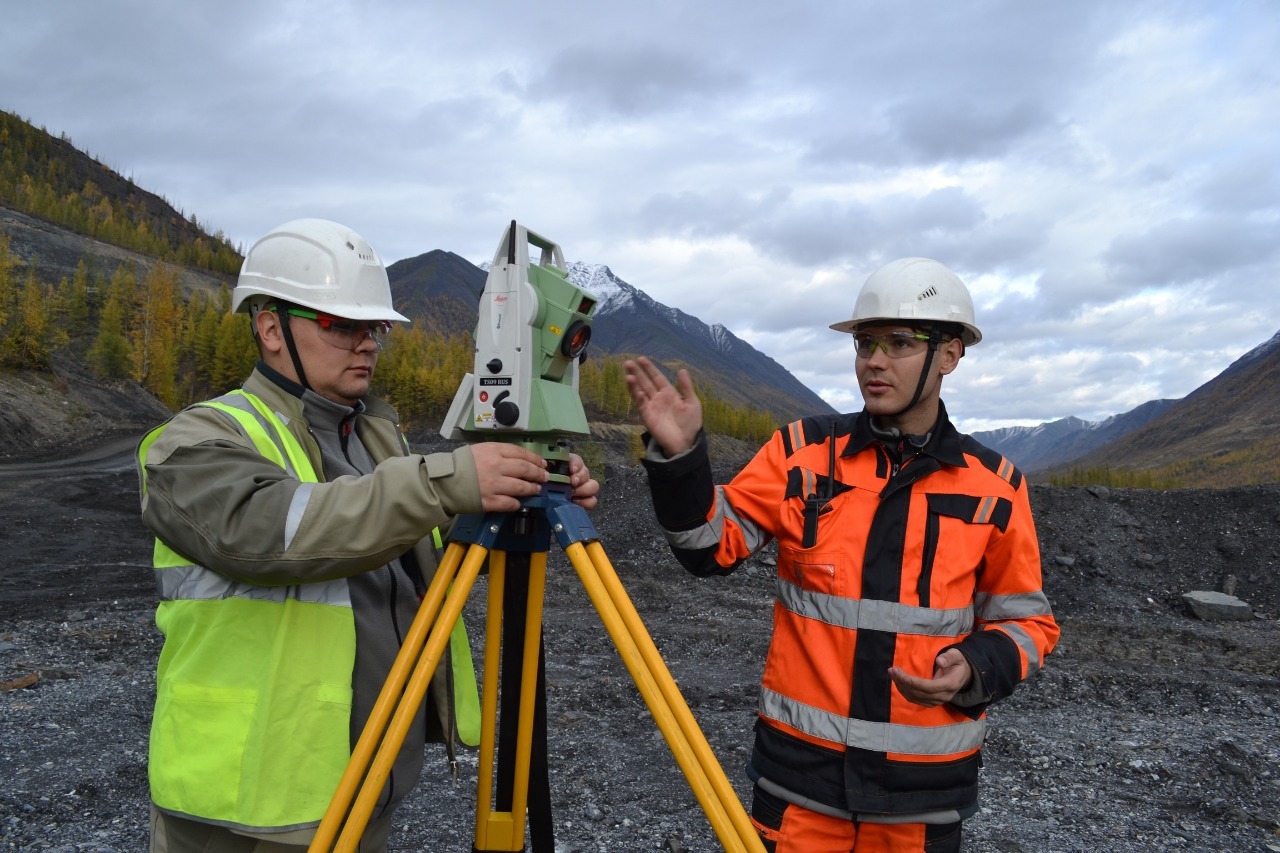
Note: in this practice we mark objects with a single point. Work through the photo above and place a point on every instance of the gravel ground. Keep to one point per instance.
(1148, 730)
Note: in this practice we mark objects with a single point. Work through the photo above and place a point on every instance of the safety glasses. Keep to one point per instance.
(900, 344)
(343, 333)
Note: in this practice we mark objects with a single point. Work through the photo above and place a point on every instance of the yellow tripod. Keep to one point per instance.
(514, 542)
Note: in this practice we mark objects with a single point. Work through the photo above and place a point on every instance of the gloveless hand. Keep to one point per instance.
(671, 413)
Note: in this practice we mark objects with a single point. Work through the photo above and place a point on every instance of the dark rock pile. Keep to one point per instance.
(1150, 728)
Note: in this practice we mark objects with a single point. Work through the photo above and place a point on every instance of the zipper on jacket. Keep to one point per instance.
(344, 433)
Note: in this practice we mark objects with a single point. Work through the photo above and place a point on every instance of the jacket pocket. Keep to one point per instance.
(957, 546)
(197, 747)
(810, 572)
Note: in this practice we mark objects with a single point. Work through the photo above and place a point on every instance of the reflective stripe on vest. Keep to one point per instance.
(253, 690)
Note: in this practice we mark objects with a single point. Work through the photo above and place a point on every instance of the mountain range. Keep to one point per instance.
(1226, 432)
(443, 290)
(1051, 445)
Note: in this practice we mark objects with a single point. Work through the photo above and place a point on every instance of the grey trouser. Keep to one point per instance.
(171, 834)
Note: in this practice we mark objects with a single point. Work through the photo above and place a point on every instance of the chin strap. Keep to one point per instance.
(935, 337)
(283, 313)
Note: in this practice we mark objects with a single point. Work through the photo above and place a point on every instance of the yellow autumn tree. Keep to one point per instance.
(26, 337)
(155, 334)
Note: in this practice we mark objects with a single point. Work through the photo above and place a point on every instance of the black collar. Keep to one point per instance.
(942, 442)
(280, 379)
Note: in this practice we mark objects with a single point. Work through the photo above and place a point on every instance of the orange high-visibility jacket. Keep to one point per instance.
(885, 563)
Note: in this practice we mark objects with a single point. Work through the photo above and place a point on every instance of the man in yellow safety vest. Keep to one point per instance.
(294, 535)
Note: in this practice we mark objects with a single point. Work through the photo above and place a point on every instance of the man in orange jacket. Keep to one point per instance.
(909, 591)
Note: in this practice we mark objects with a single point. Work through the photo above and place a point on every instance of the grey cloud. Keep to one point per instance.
(822, 232)
(708, 214)
(870, 145)
(943, 85)
(1016, 311)
(1189, 249)
(1242, 185)
(632, 80)
(965, 130)
(816, 234)
(943, 215)
(806, 234)
(920, 132)
(1004, 245)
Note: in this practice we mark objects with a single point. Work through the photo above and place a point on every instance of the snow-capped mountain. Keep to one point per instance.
(444, 290)
(1047, 445)
(1253, 356)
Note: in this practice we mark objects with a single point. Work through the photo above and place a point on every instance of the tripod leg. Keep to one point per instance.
(502, 828)
(424, 643)
(387, 698)
(688, 724)
(522, 607)
(688, 744)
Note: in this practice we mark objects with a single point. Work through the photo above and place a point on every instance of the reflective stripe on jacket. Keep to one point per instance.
(883, 564)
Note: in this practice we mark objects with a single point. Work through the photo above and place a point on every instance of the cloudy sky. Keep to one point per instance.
(1105, 176)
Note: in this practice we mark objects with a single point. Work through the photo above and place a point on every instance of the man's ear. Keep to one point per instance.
(949, 355)
(270, 337)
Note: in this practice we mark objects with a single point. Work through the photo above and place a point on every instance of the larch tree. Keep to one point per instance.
(79, 307)
(110, 355)
(26, 338)
(7, 292)
(156, 332)
(236, 353)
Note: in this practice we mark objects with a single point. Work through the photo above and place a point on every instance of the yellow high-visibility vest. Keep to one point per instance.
(251, 727)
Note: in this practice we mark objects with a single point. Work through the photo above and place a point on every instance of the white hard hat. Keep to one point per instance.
(911, 291)
(316, 264)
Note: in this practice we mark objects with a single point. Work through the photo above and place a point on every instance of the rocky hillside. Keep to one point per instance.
(1148, 730)
(46, 415)
(56, 252)
(1226, 431)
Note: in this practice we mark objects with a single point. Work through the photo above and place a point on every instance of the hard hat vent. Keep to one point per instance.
(931, 292)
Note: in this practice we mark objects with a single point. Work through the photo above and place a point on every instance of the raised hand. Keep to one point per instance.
(671, 413)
